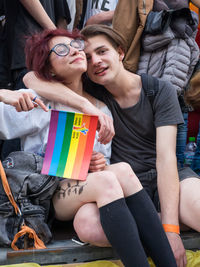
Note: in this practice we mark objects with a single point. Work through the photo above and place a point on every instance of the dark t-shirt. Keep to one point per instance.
(21, 24)
(135, 127)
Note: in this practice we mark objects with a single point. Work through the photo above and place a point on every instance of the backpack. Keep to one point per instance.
(32, 193)
(150, 86)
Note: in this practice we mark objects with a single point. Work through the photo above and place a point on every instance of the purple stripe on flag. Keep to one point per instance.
(51, 142)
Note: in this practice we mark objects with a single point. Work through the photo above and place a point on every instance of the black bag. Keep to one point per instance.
(32, 192)
(157, 22)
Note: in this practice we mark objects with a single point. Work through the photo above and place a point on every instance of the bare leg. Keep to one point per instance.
(87, 220)
(190, 203)
(117, 181)
(129, 182)
(88, 227)
(104, 189)
(100, 187)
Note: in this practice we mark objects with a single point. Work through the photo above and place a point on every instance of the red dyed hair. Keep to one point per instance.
(37, 52)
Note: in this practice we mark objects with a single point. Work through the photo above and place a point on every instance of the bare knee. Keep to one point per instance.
(88, 227)
(127, 178)
(124, 169)
(108, 188)
(190, 203)
(189, 192)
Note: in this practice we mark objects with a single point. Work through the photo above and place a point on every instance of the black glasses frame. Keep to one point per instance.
(72, 44)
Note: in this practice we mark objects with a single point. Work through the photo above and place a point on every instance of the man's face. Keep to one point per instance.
(104, 61)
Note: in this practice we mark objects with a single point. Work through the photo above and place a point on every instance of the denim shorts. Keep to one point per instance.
(149, 182)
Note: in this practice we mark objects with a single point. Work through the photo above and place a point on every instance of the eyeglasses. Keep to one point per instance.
(62, 50)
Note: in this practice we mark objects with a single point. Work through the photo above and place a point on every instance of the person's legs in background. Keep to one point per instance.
(182, 139)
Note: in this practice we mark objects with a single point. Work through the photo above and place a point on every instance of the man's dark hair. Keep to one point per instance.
(98, 29)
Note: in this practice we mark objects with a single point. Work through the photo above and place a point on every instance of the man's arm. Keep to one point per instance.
(60, 93)
(36, 10)
(168, 186)
(101, 18)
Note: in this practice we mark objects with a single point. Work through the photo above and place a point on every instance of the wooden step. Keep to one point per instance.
(66, 251)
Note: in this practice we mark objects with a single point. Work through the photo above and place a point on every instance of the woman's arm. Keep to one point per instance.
(21, 100)
(60, 93)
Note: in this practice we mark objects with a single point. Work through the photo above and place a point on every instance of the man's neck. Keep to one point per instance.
(126, 89)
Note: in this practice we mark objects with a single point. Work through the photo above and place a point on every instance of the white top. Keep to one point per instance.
(32, 127)
(72, 8)
(95, 7)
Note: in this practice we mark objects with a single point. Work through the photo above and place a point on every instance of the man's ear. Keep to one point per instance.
(121, 53)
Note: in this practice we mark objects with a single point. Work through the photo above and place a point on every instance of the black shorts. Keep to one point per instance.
(149, 182)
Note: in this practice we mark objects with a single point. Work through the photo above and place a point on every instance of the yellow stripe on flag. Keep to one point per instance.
(73, 146)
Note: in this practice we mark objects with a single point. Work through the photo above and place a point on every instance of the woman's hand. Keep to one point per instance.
(22, 101)
(97, 163)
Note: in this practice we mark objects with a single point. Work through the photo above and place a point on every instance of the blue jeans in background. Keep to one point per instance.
(182, 139)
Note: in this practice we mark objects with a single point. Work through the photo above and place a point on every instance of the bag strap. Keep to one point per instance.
(150, 85)
(7, 189)
(38, 243)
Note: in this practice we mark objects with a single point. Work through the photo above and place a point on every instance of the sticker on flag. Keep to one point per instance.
(70, 144)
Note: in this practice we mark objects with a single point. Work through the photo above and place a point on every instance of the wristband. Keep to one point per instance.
(171, 228)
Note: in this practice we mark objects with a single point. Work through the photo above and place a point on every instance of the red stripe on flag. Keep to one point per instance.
(88, 148)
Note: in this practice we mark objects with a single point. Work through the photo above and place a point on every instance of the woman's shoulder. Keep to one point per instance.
(98, 103)
(103, 107)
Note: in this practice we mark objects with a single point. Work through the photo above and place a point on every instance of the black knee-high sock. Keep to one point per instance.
(121, 231)
(150, 229)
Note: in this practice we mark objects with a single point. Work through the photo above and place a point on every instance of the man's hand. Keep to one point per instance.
(22, 101)
(105, 126)
(97, 162)
(178, 249)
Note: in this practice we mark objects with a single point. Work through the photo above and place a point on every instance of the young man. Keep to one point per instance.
(145, 135)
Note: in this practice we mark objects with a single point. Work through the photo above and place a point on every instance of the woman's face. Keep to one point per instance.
(67, 58)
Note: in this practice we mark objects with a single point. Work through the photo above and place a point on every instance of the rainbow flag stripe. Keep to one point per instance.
(70, 144)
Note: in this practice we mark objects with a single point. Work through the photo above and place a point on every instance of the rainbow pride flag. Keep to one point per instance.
(70, 144)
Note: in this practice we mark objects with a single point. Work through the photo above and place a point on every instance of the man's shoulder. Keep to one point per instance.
(152, 85)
